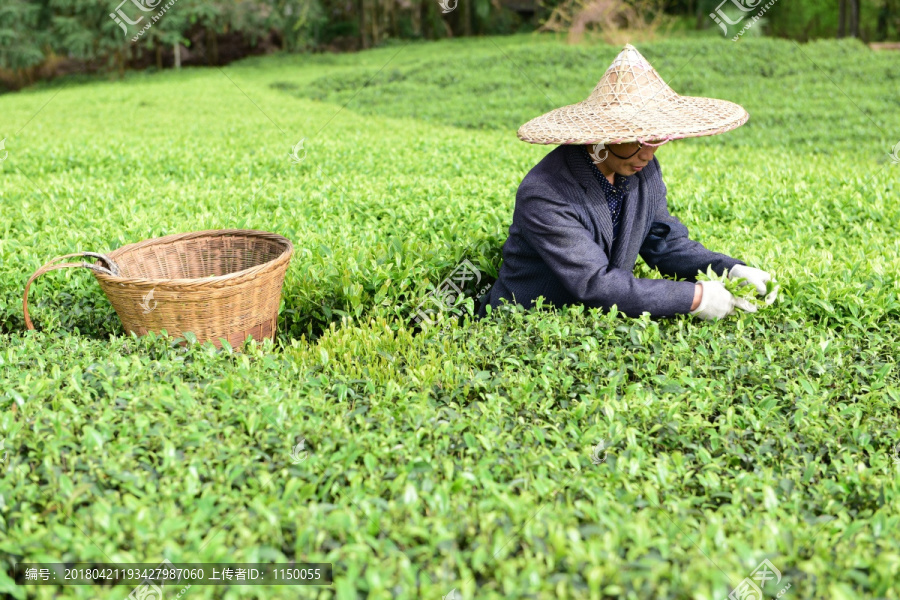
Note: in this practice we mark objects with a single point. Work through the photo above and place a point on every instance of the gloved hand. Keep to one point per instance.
(757, 278)
(716, 302)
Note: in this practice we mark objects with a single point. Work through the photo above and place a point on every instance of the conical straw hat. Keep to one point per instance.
(633, 103)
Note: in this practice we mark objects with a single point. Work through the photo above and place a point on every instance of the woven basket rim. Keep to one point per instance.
(219, 279)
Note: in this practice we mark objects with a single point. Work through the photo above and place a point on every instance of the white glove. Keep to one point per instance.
(757, 278)
(716, 302)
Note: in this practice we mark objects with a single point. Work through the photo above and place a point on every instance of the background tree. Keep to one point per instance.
(39, 38)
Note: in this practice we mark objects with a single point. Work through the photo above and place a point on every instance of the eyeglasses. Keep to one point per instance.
(639, 145)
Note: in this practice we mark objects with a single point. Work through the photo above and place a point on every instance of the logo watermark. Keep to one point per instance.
(145, 304)
(446, 7)
(896, 453)
(298, 147)
(722, 18)
(299, 453)
(595, 453)
(895, 152)
(147, 6)
(453, 595)
(751, 588)
(594, 152)
(151, 591)
(444, 297)
(3, 152)
(3, 450)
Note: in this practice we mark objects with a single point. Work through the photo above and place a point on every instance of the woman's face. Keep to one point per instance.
(636, 157)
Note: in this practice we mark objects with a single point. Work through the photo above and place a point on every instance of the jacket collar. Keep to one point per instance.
(583, 174)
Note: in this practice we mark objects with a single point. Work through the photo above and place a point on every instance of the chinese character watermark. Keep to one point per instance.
(723, 19)
(122, 20)
(35, 574)
(448, 292)
(751, 588)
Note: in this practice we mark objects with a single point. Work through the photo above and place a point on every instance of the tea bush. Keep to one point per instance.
(467, 457)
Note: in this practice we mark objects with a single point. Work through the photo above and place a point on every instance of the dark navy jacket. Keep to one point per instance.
(560, 243)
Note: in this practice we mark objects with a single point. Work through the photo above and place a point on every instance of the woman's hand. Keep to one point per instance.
(718, 303)
(698, 294)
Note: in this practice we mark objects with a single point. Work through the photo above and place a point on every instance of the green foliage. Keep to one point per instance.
(20, 44)
(804, 19)
(459, 458)
(501, 88)
(303, 23)
(38, 33)
(35, 31)
(811, 19)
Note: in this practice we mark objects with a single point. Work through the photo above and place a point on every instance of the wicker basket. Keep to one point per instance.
(223, 283)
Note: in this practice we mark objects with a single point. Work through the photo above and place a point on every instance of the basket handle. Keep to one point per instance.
(113, 271)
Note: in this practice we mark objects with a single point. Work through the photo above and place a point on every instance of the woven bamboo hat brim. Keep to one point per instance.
(632, 103)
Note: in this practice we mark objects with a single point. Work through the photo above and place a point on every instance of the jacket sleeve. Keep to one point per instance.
(668, 247)
(550, 226)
